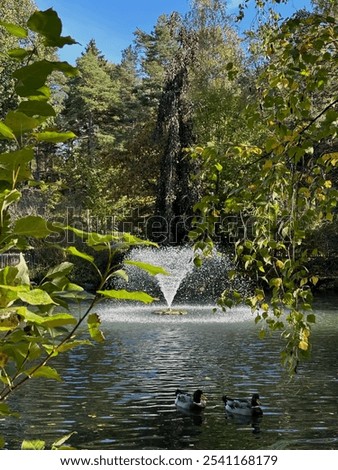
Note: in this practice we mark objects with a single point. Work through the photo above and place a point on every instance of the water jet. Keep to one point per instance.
(177, 262)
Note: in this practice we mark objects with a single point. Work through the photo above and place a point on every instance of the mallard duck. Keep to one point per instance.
(243, 407)
(192, 403)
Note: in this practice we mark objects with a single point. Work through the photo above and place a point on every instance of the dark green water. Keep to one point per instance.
(120, 395)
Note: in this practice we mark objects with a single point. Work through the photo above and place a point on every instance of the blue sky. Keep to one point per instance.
(112, 22)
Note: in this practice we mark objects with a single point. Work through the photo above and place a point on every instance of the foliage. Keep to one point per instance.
(283, 187)
(36, 321)
(41, 445)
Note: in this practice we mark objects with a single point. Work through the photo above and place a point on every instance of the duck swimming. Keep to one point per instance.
(243, 407)
(192, 403)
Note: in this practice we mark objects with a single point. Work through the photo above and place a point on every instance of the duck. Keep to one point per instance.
(242, 406)
(196, 402)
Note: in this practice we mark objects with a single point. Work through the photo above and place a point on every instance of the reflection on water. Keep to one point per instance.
(120, 395)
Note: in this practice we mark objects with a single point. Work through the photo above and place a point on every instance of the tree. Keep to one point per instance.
(91, 112)
(195, 87)
(283, 187)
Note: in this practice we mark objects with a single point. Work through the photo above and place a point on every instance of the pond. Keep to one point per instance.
(120, 394)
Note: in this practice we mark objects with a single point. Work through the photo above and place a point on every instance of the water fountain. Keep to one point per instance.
(185, 283)
(177, 262)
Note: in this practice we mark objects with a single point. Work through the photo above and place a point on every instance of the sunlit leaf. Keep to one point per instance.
(57, 444)
(43, 371)
(127, 295)
(94, 323)
(62, 269)
(36, 297)
(54, 137)
(9, 319)
(18, 53)
(14, 165)
(20, 123)
(314, 280)
(132, 240)
(59, 319)
(6, 132)
(121, 273)
(33, 445)
(303, 345)
(14, 29)
(75, 252)
(149, 268)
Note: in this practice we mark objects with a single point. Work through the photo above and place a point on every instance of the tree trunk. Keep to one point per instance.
(174, 133)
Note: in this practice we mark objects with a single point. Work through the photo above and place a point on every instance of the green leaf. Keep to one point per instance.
(94, 323)
(198, 261)
(6, 411)
(30, 317)
(57, 444)
(59, 319)
(48, 24)
(9, 320)
(36, 108)
(262, 334)
(54, 137)
(127, 295)
(32, 78)
(32, 226)
(149, 268)
(14, 165)
(22, 276)
(19, 53)
(120, 273)
(132, 240)
(311, 318)
(33, 445)
(6, 131)
(97, 239)
(14, 29)
(62, 269)
(276, 282)
(20, 123)
(36, 297)
(43, 371)
(75, 252)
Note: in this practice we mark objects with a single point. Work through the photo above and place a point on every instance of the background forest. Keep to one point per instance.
(191, 81)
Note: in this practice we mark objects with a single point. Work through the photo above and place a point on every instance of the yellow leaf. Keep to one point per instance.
(267, 165)
(279, 264)
(303, 345)
(3, 359)
(314, 280)
(328, 184)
